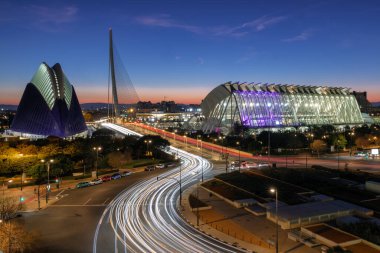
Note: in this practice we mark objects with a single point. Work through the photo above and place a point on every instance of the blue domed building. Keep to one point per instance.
(49, 107)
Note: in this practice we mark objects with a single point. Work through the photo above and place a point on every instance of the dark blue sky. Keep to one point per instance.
(183, 49)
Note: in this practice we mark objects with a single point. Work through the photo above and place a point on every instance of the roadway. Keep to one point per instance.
(69, 224)
(304, 160)
(145, 218)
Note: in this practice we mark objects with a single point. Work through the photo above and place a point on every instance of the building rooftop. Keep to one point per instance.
(331, 233)
(316, 209)
(362, 247)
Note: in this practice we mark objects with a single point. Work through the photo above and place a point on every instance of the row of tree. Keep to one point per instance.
(70, 155)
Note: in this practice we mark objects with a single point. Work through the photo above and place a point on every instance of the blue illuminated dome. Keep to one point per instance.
(49, 106)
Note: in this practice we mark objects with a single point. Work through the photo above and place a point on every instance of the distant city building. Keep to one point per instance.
(49, 107)
(168, 114)
(270, 105)
(371, 114)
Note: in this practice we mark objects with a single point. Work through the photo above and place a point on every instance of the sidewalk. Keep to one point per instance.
(29, 193)
(239, 227)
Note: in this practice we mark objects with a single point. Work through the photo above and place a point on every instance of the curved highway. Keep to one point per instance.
(144, 217)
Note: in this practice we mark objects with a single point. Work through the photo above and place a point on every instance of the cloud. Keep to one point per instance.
(305, 35)
(263, 22)
(166, 21)
(255, 25)
(51, 18)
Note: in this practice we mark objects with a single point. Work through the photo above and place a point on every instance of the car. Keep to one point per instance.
(160, 166)
(83, 184)
(115, 176)
(96, 181)
(106, 178)
(150, 168)
(126, 173)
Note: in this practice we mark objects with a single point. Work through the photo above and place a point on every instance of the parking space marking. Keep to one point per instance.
(105, 201)
(87, 201)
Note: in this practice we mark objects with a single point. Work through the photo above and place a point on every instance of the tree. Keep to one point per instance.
(115, 159)
(9, 206)
(14, 238)
(340, 141)
(318, 145)
(362, 142)
(49, 150)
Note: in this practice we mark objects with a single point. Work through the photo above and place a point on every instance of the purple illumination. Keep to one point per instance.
(259, 108)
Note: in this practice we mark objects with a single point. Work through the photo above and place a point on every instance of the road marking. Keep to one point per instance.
(368, 200)
(87, 201)
(60, 193)
(105, 201)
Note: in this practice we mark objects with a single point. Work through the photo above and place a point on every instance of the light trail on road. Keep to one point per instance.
(145, 218)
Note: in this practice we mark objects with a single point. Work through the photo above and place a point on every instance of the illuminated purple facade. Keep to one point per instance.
(262, 105)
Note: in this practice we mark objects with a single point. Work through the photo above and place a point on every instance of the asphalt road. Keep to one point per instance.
(145, 218)
(69, 224)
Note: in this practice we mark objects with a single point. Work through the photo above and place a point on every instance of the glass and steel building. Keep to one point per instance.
(49, 107)
(256, 105)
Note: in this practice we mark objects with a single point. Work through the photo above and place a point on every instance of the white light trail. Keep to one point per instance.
(145, 218)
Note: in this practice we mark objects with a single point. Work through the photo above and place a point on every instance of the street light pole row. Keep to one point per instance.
(48, 177)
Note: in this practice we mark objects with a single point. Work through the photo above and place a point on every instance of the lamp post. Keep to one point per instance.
(202, 160)
(268, 145)
(147, 147)
(274, 190)
(180, 180)
(238, 144)
(337, 146)
(97, 149)
(48, 178)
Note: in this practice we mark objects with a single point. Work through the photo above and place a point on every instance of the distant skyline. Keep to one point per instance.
(181, 50)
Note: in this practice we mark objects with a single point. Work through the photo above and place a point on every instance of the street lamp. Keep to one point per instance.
(238, 143)
(337, 142)
(48, 177)
(268, 145)
(202, 160)
(97, 149)
(275, 191)
(147, 146)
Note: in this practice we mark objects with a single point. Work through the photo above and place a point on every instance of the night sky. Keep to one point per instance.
(183, 49)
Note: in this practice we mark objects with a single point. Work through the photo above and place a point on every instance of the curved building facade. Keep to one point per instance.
(49, 106)
(271, 105)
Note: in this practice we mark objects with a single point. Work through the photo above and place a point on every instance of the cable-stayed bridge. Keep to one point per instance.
(122, 94)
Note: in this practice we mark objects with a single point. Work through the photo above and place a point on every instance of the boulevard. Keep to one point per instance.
(69, 224)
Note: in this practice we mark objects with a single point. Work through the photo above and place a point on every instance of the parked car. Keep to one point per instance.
(160, 166)
(96, 181)
(126, 173)
(82, 184)
(115, 176)
(150, 168)
(106, 178)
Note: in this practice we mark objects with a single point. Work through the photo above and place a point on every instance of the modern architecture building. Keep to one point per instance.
(255, 105)
(49, 107)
